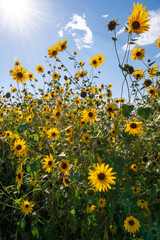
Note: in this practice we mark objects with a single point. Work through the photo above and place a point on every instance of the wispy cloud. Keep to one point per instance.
(121, 31)
(104, 16)
(157, 55)
(79, 30)
(153, 34)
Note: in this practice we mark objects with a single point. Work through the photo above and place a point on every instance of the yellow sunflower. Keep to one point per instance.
(62, 45)
(134, 167)
(53, 51)
(152, 91)
(20, 74)
(82, 73)
(138, 21)
(90, 208)
(66, 181)
(101, 177)
(101, 58)
(94, 62)
(89, 115)
(135, 189)
(134, 127)
(131, 224)
(142, 203)
(19, 177)
(68, 131)
(16, 63)
(20, 148)
(53, 133)
(57, 114)
(152, 71)
(55, 76)
(40, 69)
(64, 166)
(158, 43)
(102, 202)
(26, 207)
(138, 53)
(8, 134)
(86, 138)
(48, 163)
(138, 74)
(30, 76)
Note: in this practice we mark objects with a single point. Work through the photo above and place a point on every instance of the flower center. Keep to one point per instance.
(101, 176)
(138, 54)
(26, 206)
(64, 165)
(19, 147)
(110, 109)
(54, 53)
(135, 25)
(138, 75)
(133, 125)
(94, 62)
(53, 134)
(90, 114)
(19, 74)
(19, 176)
(63, 46)
(58, 114)
(131, 222)
(49, 163)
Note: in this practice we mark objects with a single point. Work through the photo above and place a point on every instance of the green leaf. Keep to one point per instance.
(22, 127)
(151, 63)
(114, 39)
(144, 112)
(35, 137)
(127, 109)
(35, 232)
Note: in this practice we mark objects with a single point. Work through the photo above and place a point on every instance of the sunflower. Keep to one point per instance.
(30, 76)
(158, 43)
(101, 177)
(8, 134)
(48, 163)
(53, 133)
(102, 202)
(16, 63)
(94, 62)
(138, 53)
(152, 71)
(40, 69)
(138, 74)
(62, 45)
(82, 123)
(66, 181)
(64, 166)
(143, 204)
(101, 58)
(89, 115)
(138, 21)
(20, 74)
(82, 73)
(26, 207)
(134, 167)
(131, 224)
(90, 208)
(86, 138)
(152, 91)
(77, 101)
(19, 177)
(55, 76)
(110, 108)
(134, 127)
(20, 148)
(147, 83)
(53, 51)
(112, 228)
(112, 25)
(68, 131)
(57, 114)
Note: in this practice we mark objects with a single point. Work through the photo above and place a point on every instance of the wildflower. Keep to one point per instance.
(112, 25)
(134, 127)
(66, 181)
(131, 224)
(101, 58)
(102, 202)
(147, 83)
(152, 71)
(138, 74)
(48, 163)
(56, 114)
(40, 69)
(19, 177)
(20, 148)
(16, 63)
(26, 207)
(152, 91)
(53, 51)
(143, 204)
(158, 43)
(90, 208)
(53, 133)
(86, 138)
(134, 167)
(55, 76)
(62, 45)
(94, 62)
(138, 21)
(64, 166)
(101, 177)
(89, 115)
(20, 74)
(30, 76)
(138, 53)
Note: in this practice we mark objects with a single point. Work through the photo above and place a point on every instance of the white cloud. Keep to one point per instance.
(60, 33)
(157, 55)
(153, 34)
(80, 32)
(104, 16)
(131, 46)
(121, 31)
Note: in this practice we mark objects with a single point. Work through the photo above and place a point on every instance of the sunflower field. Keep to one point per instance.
(76, 162)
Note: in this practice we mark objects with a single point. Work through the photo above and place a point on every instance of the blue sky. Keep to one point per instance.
(82, 23)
